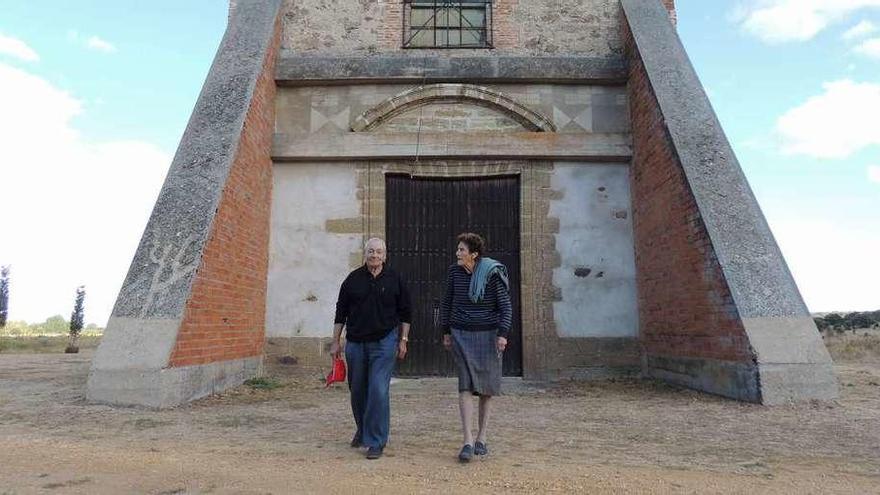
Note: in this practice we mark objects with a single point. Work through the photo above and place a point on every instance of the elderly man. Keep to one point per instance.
(373, 302)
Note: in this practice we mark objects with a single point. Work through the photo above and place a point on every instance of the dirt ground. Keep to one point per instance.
(626, 436)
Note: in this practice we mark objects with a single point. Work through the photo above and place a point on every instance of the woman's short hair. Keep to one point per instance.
(474, 242)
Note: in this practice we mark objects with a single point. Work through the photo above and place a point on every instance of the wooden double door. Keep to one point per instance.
(423, 218)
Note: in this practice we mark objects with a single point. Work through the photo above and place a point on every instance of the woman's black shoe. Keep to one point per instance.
(480, 448)
(466, 454)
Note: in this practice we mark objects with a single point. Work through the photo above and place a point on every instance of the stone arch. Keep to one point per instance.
(451, 93)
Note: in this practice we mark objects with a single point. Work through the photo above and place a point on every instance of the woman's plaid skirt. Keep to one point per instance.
(478, 361)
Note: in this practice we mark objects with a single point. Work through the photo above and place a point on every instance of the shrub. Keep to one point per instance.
(76, 320)
(263, 383)
(4, 295)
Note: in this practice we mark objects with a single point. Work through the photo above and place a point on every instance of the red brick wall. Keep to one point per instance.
(670, 4)
(505, 33)
(391, 34)
(685, 306)
(225, 315)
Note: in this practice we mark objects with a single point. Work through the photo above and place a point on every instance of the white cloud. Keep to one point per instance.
(75, 208)
(92, 42)
(870, 48)
(835, 124)
(874, 173)
(831, 263)
(101, 45)
(17, 48)
(861, 29)
(779, 21)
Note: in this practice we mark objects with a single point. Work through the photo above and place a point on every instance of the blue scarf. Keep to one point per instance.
(480, 278)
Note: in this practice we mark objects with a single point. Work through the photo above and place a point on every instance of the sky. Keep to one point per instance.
(94, 100)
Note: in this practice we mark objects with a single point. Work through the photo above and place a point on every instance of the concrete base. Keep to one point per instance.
(768, 384)
(793, 363)
(729, 379)
(169, 387)
(787, 383)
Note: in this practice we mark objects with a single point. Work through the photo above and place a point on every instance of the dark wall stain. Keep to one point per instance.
(582, 272)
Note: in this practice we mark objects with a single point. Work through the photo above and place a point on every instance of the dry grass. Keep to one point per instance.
(43, 344)
(858, 346)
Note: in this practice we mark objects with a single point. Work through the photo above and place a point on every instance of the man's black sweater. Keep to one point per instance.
(370, 307)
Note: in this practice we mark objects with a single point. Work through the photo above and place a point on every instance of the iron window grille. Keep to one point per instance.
(447, 24)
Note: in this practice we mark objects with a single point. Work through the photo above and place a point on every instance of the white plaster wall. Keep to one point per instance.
(306, 263)
(597, 275)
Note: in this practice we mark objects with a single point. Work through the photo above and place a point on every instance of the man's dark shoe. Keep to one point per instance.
(374, 452)
(480, 448)
(466, 454)
(356, 442)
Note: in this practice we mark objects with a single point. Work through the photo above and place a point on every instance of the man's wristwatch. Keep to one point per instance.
(404, 339)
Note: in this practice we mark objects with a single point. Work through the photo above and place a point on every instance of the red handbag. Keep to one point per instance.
(337, 374)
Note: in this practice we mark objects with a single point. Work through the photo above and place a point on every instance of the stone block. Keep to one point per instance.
(344, 225)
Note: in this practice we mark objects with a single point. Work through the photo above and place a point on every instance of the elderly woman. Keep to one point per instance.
(476, 318)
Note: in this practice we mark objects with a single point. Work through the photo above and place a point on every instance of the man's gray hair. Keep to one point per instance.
(374, 239)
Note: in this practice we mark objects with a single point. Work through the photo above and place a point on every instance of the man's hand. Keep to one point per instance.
(447, 341)
(501, 344)
(335, 349)
(401, 349)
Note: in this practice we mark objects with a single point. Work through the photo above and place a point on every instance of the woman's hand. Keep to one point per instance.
(501, 344)
(335, 349)
(447, 341)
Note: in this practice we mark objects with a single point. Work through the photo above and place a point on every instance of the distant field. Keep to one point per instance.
(858, 345)
(42, 344)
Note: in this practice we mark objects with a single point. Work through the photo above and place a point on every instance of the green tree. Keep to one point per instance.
(76, 321)
(4, 295)
(834, 320)
(859, 320)
(54, 325)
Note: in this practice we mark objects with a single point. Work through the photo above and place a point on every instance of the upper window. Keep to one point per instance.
(447, 24)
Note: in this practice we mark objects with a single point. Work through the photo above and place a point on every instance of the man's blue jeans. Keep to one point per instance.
(370, 365)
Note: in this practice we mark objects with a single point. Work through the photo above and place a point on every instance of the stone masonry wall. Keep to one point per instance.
(534, 27)
(685, 304)
(224, 318)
